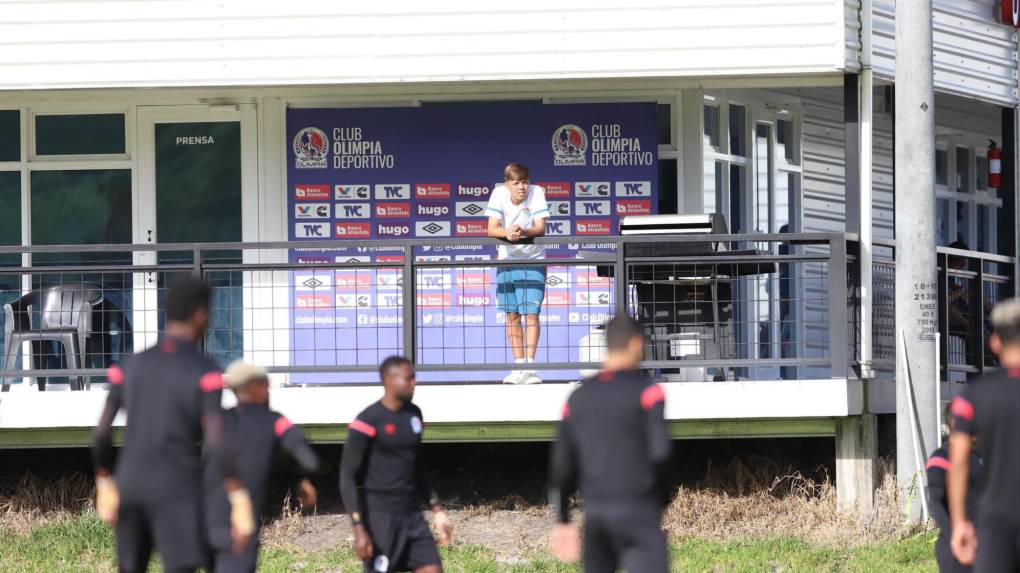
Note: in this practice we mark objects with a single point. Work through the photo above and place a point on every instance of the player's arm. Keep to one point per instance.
(102, 439)
(563, 469)
(426, 488)
(963, 537)
(107, 496)
(537, 229)
(660, 450)
(495, 229)
(359, 442)
(293, 441)
(936, 468)
(214, 441)
(539, 214)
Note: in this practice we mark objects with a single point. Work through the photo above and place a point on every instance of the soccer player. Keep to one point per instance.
(614, 444)
(517, 212)
(988, 409)
(172, 396)
(937, 468)
(384, 481)
(253, 432)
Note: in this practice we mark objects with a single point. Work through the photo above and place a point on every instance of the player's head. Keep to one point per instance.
(249, 381)
(187, 304)
(517, 177)
(397, 375)
(1005, 339)
(625, 343)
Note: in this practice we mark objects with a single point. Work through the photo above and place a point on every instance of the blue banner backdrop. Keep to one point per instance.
(427, 172)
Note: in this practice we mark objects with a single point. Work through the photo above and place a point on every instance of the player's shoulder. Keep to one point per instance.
(280, 422)
(537, 190)
(372, 413)
(413, 409)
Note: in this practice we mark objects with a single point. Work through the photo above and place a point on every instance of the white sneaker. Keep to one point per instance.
(530, 377)
(514, 377)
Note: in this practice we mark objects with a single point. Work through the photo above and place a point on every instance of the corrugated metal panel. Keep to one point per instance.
(98, 43)
(852, 32)
(975, 56)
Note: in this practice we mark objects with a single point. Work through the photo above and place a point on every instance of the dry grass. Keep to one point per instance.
(32, 500)
(742, 504)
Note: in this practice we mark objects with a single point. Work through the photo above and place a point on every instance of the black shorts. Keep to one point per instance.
(174, 526)
(624, 536)
(226, 561)
(998, 549)
(944, 556)
(400, 541)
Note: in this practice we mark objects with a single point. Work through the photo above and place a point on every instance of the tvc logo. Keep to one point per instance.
(391, 191)
(311, 230)
(390, 300)
(311, 211)
(352, 192)
(591, 189)
(353, 211)
(633, 189)
(554, 228)
(597, 208)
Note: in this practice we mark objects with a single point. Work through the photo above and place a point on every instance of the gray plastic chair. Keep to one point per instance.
(65, 316)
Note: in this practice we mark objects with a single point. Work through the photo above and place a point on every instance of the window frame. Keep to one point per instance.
(950, 142)
(36, 111)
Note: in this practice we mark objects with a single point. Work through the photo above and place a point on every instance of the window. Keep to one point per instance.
(664, 120)
(92, 134)
(712, 126)
(10, 135)
(966, 209)
(738, 130)
(785, 140)
(755, 186)
(97, 201)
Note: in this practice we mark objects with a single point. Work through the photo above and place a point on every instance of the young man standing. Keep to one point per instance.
(517, 212)
(253, 432)
(988, 409)
(937, 469)
(613, 442)
(172, 396)
(384, 481)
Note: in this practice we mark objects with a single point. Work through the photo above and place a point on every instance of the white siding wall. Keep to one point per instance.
(975, 56)
(105, 43)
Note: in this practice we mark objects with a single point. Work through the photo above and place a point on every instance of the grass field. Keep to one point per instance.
(82, 543)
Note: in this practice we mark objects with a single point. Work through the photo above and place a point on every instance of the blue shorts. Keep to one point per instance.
(520, 289)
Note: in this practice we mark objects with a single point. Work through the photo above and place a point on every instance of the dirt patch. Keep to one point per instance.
(508, 533)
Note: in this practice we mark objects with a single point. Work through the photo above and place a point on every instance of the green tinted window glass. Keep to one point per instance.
(10, 208)
(198, 184)
(81, 208)
(10, 135)
(94, 134)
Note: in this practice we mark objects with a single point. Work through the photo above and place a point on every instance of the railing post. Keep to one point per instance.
(620, 277)
(838, 315)
(407, 309)
(978, 321)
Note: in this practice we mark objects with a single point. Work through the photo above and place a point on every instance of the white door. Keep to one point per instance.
(197, 181)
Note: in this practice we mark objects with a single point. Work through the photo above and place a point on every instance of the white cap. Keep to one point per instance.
(240, 373)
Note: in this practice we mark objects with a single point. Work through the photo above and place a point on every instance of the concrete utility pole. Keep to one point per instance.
(916, 274)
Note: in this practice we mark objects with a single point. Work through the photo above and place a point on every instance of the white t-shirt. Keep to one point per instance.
(532, 209)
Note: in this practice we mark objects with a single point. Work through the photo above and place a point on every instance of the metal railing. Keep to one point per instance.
(772, 306)
(970, 283)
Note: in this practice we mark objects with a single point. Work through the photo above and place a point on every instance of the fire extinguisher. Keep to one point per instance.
(994, 165)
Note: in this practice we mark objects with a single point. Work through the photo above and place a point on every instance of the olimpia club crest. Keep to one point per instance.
(310, 148)
(569, 144)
